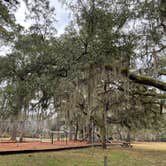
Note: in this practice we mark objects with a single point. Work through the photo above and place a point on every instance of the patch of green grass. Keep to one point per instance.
(90, 157)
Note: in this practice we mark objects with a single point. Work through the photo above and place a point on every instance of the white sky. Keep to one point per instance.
(62, 15)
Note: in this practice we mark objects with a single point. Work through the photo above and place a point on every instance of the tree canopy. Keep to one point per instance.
(108, 67)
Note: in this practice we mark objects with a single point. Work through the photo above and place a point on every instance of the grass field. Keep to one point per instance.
(142, 154)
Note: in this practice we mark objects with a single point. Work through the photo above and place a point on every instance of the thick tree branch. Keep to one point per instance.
(162, 72)
(145, 80)
(141, 79)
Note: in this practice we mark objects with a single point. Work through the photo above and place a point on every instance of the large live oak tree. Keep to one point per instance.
(97, 49)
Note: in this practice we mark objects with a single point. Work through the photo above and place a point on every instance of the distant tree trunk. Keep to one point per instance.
(70, 133)
(85, 136)
(104, 119)
(58, 135)
(89, 133)
(103, 131)
(76, 132)
(103, 135)
(15, 116)
(120, 135)
(104, 127)
(158, 136)
(22, 132)
(128, 136)
(21, 136)
(91, 85)
(14, 132)
(82, 134)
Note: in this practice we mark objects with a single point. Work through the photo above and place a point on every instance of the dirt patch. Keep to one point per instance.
(39, 145)
(150, 145)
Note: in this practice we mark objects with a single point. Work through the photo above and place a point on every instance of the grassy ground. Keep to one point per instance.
(142, 154)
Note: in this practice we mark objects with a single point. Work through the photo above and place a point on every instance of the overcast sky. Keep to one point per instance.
(62, 15)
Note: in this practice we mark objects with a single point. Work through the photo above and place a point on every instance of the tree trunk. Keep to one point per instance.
(104, 130)
(58, 135)
(76, 132)
(14, 132)
(89, 133)
(82, 134)
(70, 133)
(103, 137)
(104, 119)
(128, 137)
(22, 131)
(21, 136)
